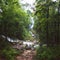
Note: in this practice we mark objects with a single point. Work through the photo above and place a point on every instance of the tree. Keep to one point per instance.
(47, 12)
(47, 26)
(14, 20)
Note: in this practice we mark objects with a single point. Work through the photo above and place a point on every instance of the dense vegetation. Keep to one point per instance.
(47, 26)
(14, 23)
(13, 20)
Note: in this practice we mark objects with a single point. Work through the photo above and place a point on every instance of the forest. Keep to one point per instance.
(47, 26)
(15, 23)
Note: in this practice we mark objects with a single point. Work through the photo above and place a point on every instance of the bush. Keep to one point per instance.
(10, 53)
(48, 53)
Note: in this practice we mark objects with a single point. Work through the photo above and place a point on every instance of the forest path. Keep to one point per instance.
(26, 55)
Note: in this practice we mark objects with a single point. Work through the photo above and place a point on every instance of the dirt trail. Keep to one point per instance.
(26, 55)
(1, 58)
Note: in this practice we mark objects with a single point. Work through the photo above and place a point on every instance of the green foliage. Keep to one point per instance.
(47, 26)
(48, 53)
(14, 23)
(14, 20)
(10, 53)
(47, 22)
